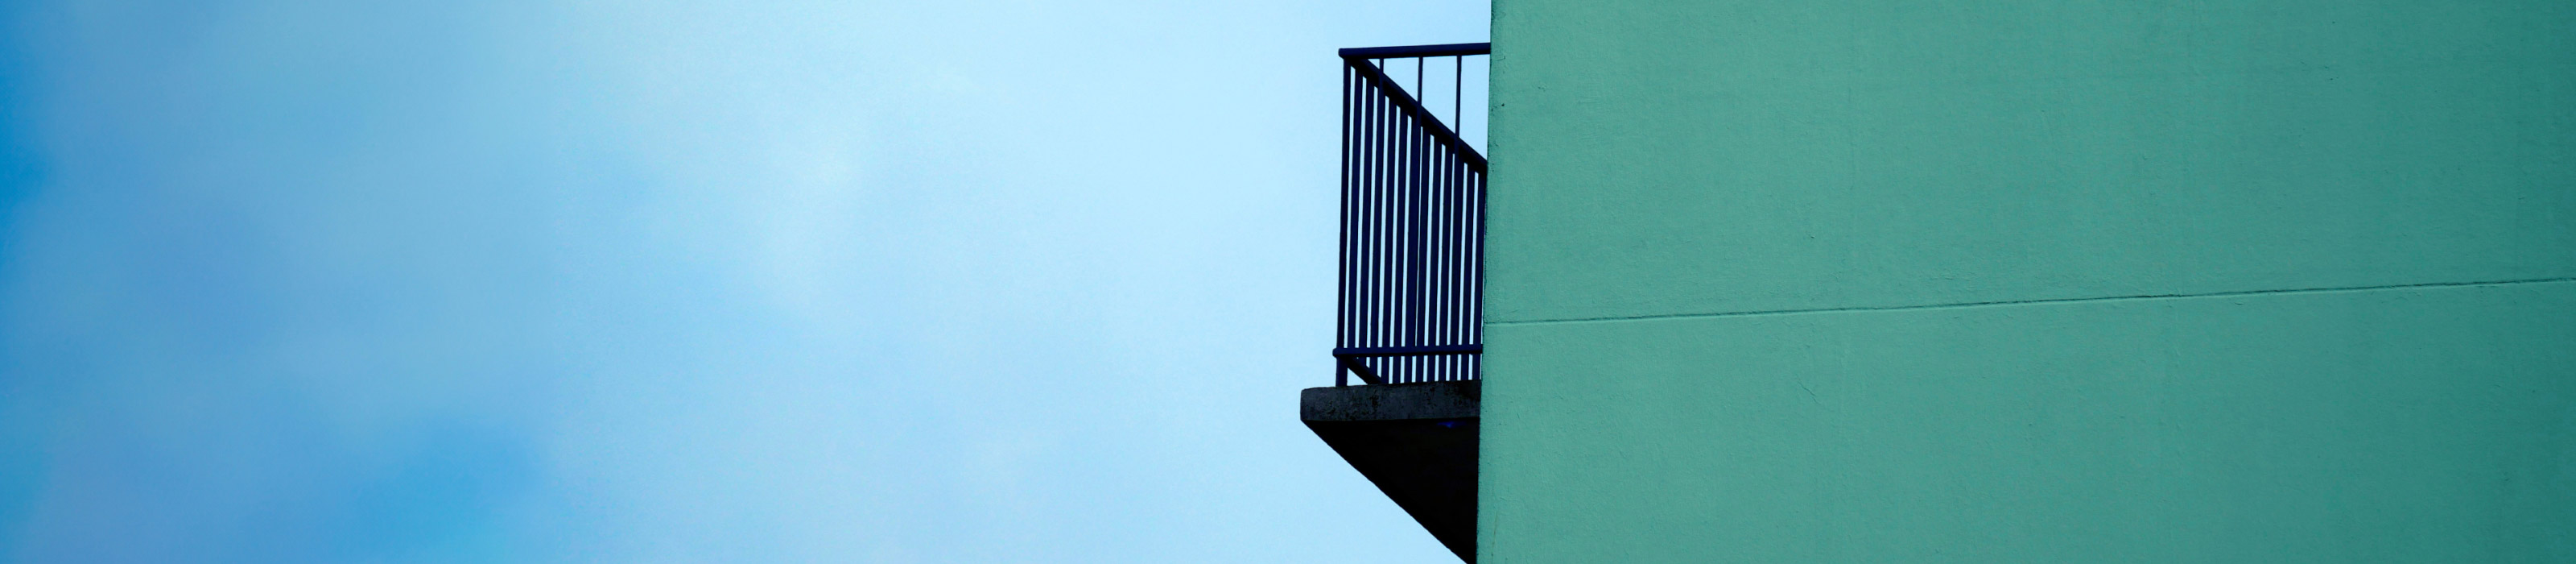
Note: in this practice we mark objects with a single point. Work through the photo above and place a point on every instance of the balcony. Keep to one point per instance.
(1409, 320)
(1413, 226)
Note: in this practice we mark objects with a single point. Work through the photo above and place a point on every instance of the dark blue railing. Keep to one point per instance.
(1413, 226)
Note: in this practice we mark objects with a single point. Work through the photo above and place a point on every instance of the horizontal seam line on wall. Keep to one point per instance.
(2032, 302)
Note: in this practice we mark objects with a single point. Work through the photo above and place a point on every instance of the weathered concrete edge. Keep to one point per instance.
(1430, 400)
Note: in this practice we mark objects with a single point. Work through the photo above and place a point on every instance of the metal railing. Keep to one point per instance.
(1413, 226)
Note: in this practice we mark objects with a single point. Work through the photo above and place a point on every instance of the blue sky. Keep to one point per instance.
(766, 281)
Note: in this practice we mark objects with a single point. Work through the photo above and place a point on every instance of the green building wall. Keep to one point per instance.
(2031, 281)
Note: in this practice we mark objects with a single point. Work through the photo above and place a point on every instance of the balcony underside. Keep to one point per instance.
(1417, 442)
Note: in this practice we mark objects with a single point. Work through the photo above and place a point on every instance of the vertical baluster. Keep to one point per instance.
(1391, 196)
(1376, 275)
(1457, 235)
(1415, 287)
(1456, 202)
(1388, 126)
(1435, 255)
(1435, 261)
(1426, 310)
(1449, 282)
(1396, 197)
(1365, 325)
(1342, 266)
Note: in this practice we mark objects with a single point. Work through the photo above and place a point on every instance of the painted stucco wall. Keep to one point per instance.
(2252, 281)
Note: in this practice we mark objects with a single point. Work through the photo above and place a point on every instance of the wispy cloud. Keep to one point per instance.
(665, 281)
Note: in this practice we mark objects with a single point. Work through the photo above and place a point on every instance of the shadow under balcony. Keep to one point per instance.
(1417, 442)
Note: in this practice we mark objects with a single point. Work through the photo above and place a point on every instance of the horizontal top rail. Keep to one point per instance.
(1409, 51)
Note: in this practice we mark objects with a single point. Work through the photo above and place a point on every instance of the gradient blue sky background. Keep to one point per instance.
(656, 281)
